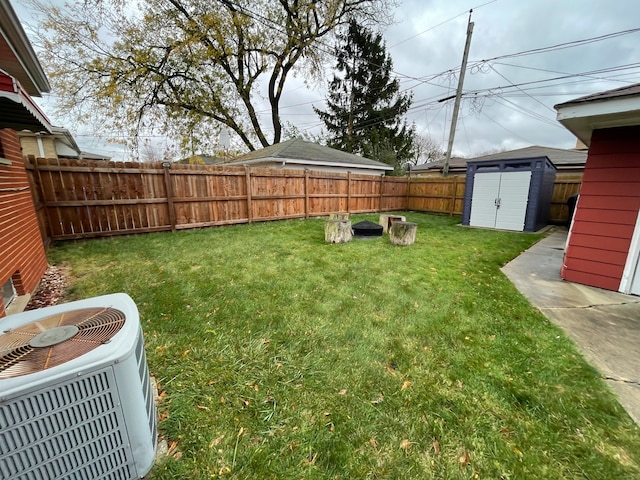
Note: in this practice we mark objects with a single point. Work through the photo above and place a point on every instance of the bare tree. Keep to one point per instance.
(185, 68)
(426, 150)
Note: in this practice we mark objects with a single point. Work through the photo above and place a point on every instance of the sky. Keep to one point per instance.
(508, 96)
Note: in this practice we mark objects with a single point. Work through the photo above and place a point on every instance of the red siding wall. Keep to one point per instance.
(607, 209)
(22, 255)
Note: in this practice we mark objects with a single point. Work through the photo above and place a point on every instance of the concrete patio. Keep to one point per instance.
(604, 325)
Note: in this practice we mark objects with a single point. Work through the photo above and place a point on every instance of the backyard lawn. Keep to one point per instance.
(281, 357)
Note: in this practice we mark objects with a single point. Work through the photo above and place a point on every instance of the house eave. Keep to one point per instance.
(583, 118)
(19, 112)
(18, 56)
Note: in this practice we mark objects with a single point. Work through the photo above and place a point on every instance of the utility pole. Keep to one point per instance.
(456, 105)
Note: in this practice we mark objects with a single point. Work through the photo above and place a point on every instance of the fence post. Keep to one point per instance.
(249, 203)
(406, 200)
(167, 185)
(454, 196)
(306, 193)
(381, 189)
(348, 192)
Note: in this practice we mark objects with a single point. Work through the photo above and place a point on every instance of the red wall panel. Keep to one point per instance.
(22, 255)
(607, 209)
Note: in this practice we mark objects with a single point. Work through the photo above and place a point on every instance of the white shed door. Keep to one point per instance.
(514, 198)
(500, 200)
(486, 191)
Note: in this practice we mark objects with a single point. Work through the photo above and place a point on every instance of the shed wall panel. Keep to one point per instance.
(607, 210)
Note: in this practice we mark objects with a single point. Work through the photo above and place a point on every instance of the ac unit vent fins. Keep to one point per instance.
(71, 430)
(54, 340)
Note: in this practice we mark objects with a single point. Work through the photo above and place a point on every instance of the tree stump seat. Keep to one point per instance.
(403, 233)
(337, 231)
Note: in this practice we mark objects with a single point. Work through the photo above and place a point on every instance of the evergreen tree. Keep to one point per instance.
(365, 109)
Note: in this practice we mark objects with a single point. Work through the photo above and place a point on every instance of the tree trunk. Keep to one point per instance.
(403, 233)
(337, 231)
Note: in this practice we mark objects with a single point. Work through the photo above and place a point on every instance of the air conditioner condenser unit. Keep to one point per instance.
(76, 400)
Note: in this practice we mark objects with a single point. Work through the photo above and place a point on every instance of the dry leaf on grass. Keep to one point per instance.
(342, 392)
(405, 445)
(436, 446)
(202, 407)
(465, 459)
(216, 441)
(373, 443)
(405, 385)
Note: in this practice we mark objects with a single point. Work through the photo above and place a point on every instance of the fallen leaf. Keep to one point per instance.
(342, 392)
(517, 451)
(185, 353)
(460, 384)
(378, 400)
(405, 445)
(172, 447)
(405, 385)
(177, 455)
(216, 441)
(202, 407)
(436, 446)
(373, 443)
(391, 370)
(311, 458)
(465, 459)
(265, 341)
(222, 400)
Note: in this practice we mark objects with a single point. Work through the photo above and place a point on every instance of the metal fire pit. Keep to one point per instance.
(367, 229)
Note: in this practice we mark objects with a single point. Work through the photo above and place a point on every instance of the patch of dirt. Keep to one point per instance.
(51, 289)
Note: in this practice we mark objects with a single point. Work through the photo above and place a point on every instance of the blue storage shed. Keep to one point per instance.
(509, 194)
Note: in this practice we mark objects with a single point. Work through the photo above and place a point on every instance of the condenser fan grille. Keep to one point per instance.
(57, 339)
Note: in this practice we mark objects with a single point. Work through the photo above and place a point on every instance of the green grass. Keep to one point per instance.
(284, 357)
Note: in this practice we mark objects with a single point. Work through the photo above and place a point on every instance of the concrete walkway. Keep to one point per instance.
(604, 325)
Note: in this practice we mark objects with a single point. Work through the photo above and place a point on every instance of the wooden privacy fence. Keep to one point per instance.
(82, 198)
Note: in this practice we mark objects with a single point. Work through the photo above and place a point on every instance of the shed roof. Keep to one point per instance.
(559, 157)
(309, 152)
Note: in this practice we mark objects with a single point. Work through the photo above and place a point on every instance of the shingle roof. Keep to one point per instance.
(616, 92)
(558, 156)
(297, 149)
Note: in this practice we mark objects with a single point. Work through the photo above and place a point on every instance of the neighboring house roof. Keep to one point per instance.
(200, 159)
(93, 156)
(560, 157)
(612, 108)
(301, 152)
(454, 163)
(17, 57)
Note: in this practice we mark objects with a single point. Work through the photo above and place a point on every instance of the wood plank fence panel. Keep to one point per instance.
(437, 194)
(564, 187)
(77, 199)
